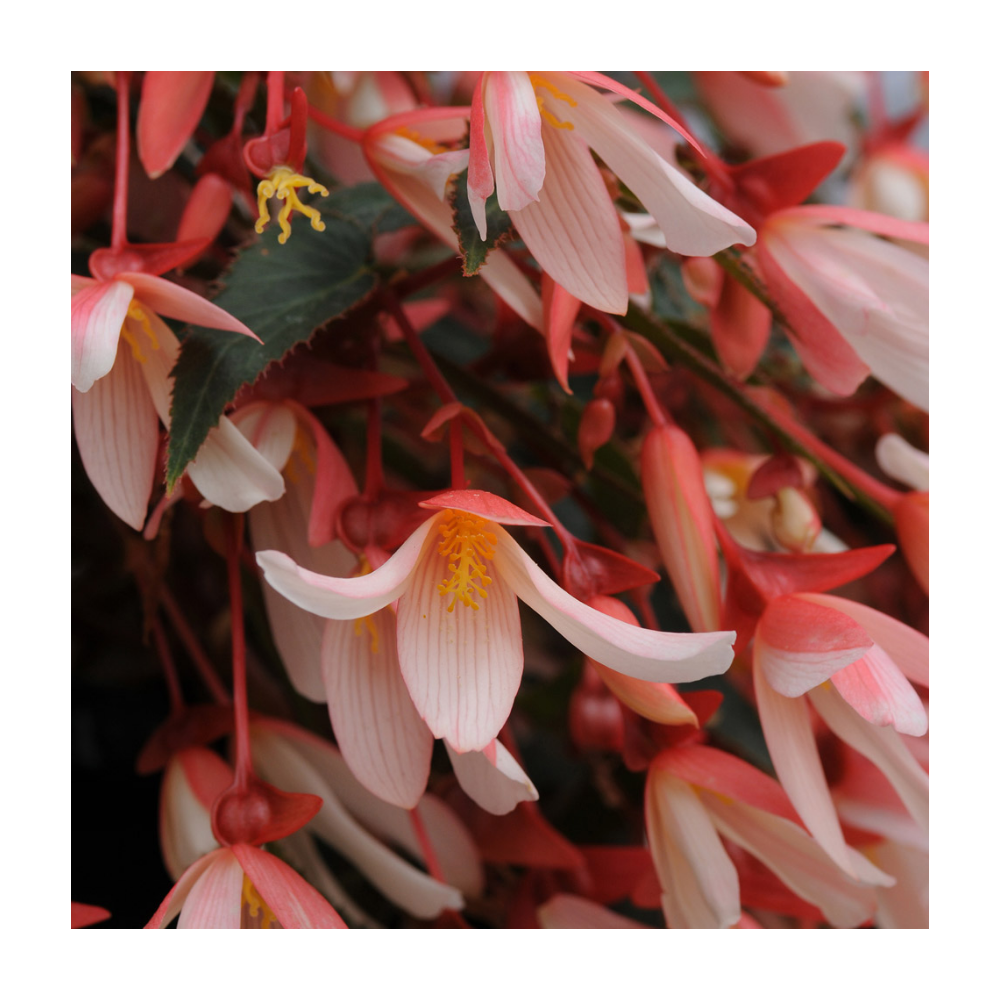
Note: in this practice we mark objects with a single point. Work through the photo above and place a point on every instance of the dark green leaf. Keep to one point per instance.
(498, 225)
(284, 294)
(370, 206)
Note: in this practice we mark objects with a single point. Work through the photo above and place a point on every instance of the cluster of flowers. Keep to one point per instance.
(649, 288)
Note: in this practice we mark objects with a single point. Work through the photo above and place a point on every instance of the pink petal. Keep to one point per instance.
(97, 313)
(230, 473)
(480, 181)
(792, 747)
(176, 898)
(560, 310)
(216, 899)
(637, 652)
(882, 746)
(516, 128)
(795, 858)
(291, 898)
(118, 434)
(899, 459)
(492, 778)
(699, 881)
(270, 428)
(682, 519)
(334, 597)
(878, 692)
(658, 702)
(172, 300)
(907, 904)
(462, 667)
(908, 648)
(159, 363)
(566, 912)
(692, 222)
(740, 327)
(185, 819)
(800, 644)
(298, 634)
(572, 229)
(207, 210)
(485, 505)
(873, 222)
(379, 732)
(169, 109)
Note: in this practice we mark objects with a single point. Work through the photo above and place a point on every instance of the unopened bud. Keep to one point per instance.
(596, 427)
(703, 280)
(794, 519)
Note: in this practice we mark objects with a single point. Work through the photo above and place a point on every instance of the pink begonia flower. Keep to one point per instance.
(530, 139)
(458, 630)
(122, 355)
(694, 794)
(857, 304)
(894, 179)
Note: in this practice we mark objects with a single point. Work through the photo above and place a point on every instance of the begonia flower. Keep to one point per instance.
(458, 629)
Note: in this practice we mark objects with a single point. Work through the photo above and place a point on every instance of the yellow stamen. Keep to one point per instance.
(135, 313)
(466, 545)
(256, 913)
(540, 82)
(429, 144)
(302, 453)
(281, 183)
(368, 622)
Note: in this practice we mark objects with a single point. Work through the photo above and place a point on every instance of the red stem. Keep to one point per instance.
(275, 101)
(652, 404)
(374, 479)
(193, 647)
(458, 481)
(169, 669)
(119, 217)
(244, 767)
(332, 125)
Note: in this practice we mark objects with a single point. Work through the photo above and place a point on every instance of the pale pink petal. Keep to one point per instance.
(792, 746)
(882, 746)
(795, 858)
(185, 820)
(381, 735)
(207, 209)
(637, 652)
(168, 299)
(658, 702)
(270, 428)
(118, 434)
(902, 461)
(290, 897)
(876, 689)
(800, 644)
(908, 648)
(488, 506)
(216, 899)
(492, 778)
(566, 912)
(572, 229)
(873, 222)
(280, 762)
(159, 362)
(462, 667)
(692, 222)
(169, 109)
(907, 904)
(516, 128)
(298, 634)
(230, 473)
(176, 898)
(699, 881)
(480, 182)
(341, 599)
(97, 313)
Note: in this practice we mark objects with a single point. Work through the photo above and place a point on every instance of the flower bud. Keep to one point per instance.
(596, 428)
(794, 519)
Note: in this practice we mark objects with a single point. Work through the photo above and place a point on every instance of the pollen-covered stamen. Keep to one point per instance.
(467, 547)
(539, 82)
(281, 183)
(255, 912)
(136, 314)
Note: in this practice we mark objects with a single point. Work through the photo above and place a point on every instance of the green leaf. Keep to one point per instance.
(498, 225)
(284, 294)
(370, 206)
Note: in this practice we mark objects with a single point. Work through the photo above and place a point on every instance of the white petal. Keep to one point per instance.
(497, 784)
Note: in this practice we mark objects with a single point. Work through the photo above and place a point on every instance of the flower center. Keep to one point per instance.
(281, 183)
(467, 547)
(256, 913)
(540, 83)
(136, 314)
(429, 144)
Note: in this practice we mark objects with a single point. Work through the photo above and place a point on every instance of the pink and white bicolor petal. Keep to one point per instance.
(799, 644)
(270, 428)
(637, 652)
(462, 667)
(177, 897)
(350, 598)
(572, 229)
(699, 881)
(290, 897)
(876, 689)
(899, 459)
(97, 312)
(381, 735)
(118, 434)
(519, 159)
(492, 778)
(169, 109)
(216, 899)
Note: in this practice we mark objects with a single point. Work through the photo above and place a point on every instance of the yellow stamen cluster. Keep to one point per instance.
(366, 623)
(256, 913)
(302, 454)
(281, 183)
(465, 544)
(429, 144)
(136, 314)
(539, 82)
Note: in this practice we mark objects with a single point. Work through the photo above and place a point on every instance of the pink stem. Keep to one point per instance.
(244, 767)
(649, 399)
(458, 481)
(119, 217)
(275, 101)
(332, 125)
(374, 478)
(169, 669)
(193, 647)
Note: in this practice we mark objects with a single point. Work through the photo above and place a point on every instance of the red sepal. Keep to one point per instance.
(146, 258)
(193, 726)
(591, 571)
(258, 813)
(485, 505)
(772, 183)
(776, 473)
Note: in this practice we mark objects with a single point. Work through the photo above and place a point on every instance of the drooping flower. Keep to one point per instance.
(457, 580)
(530, 139)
